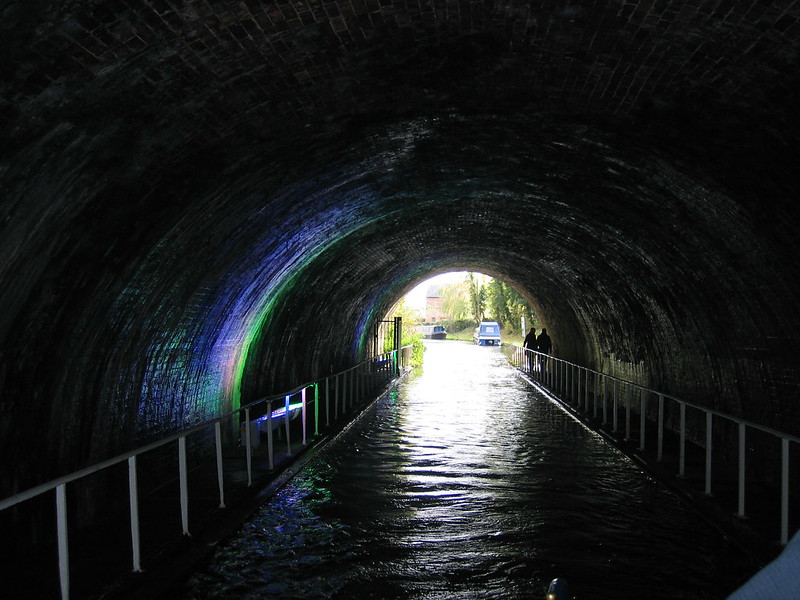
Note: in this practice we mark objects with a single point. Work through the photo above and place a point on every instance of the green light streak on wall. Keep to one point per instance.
(251, 334)
(256, 325)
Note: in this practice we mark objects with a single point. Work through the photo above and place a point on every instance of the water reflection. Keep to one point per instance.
(467, 484)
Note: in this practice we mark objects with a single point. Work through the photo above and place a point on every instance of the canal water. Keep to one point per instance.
(466, 483)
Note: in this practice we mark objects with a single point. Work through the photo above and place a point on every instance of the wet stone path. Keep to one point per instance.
(465, 483)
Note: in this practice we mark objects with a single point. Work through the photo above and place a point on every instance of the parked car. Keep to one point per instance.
(487, 333)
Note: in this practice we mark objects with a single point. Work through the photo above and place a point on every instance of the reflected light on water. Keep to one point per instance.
(466, 484)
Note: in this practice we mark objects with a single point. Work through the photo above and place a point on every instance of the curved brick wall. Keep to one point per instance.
(206, 202)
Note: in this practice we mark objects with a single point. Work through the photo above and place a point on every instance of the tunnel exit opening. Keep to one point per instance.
(454, 305)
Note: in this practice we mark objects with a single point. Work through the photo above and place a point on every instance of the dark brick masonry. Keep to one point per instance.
(203, 202)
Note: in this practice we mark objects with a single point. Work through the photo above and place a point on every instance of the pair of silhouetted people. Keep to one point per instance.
(542, 344)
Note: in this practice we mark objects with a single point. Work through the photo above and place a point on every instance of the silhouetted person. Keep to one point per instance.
(543, 345)
(530, 345)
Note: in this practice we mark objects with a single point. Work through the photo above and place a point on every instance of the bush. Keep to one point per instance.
(417, 350)
(459, 324)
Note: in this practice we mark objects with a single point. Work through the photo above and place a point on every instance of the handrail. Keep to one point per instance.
(556, 374)
(688, 403)
(396, 359)
(53, 484)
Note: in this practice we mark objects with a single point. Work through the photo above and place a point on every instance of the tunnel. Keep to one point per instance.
(206, 202)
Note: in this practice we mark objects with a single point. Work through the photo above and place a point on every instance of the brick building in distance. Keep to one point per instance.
(433, 305)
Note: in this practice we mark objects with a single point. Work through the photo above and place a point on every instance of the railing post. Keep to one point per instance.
(218, 435)
(605, 403)
(596, 394)
(286, 402)
(561, 384)
(628, 402)
(557, 376)
(327, 402)
(784, 491)
(682, 450)
(576, 385)
(343, 403)
(642, 413)
(586, 392)
(303, 413)
(541, 365)
(347, 402)
(568, 383)
(548, 372)
(184, 483)
(270, 442)
(615, 407)
(336, 400)
(709, 442)
(316, 409)
(63, 540)
(133, 502)
(660, 453)
(742, 447)
(248, 444)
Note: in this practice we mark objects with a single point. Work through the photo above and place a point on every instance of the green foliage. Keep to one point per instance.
(409, 336)
(459, 324)
(497, 301)
(455, 300)
(467, 303)
(417, 349)
(471, 301)
(518, 308)
(477, 298)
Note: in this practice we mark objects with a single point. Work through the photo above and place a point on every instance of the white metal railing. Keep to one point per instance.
(580, 385)
(345, 390)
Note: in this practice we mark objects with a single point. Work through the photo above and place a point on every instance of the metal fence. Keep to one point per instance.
(612, 399)
(317, 405)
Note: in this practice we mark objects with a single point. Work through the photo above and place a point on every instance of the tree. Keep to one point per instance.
(497, 301)
(518, 308)
(477, 298)
(455, 300)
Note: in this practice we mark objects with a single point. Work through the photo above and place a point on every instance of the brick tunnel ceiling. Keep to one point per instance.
(203, 201)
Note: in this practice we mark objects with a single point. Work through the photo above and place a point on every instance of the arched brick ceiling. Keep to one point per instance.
(205, 201)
